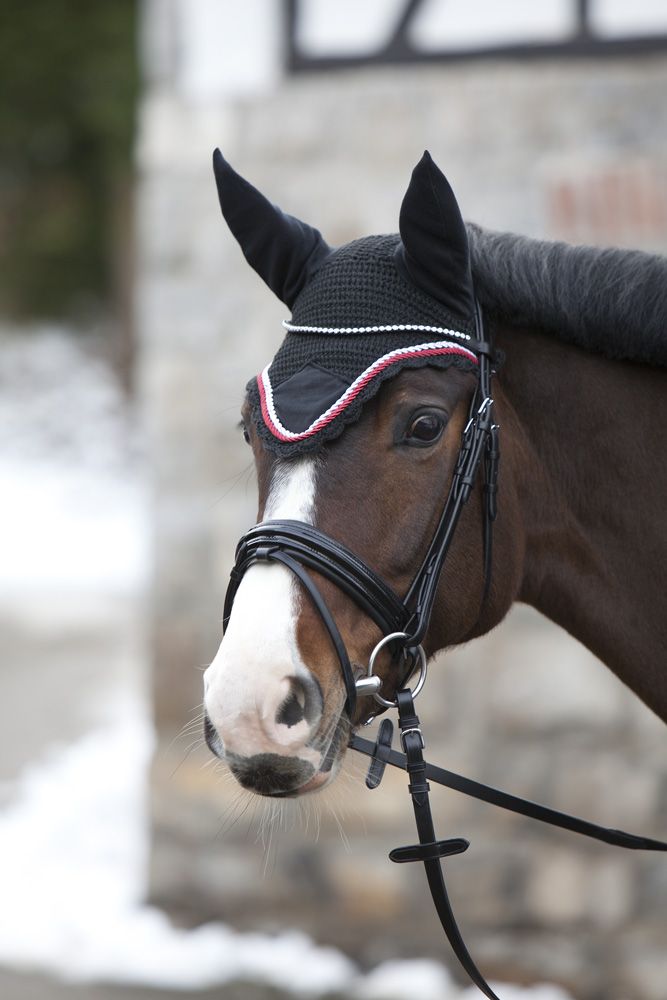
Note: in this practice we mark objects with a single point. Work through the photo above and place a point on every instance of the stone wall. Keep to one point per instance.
(574, 150)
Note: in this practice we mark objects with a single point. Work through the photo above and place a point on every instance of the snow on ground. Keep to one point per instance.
(73, 851)
(74, 838)
(64, 528)
(73, 505)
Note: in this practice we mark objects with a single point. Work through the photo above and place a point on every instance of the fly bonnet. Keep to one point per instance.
(361, 312)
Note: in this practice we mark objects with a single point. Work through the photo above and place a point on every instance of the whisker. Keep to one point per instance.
(248, 478)
(195, 745)
(343, 836)
(190, 727)
(215, 762)
(268, 847)
(197, 708)
(226, 826)
(249, 468)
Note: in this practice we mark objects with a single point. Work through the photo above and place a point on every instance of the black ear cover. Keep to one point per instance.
(284, 251)
(434, 251)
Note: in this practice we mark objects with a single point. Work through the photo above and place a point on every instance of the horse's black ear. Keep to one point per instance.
(434, 249)
(284, 251)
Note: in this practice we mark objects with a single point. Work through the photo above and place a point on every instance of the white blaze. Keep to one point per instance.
(247, 681)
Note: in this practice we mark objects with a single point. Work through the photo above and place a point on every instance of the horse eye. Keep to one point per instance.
(425, 429)
(246, 435)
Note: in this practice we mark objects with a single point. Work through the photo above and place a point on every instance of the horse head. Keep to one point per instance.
(356, 430)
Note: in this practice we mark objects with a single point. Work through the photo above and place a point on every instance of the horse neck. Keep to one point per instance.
(585, 443)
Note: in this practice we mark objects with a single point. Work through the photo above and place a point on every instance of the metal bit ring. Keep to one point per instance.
(422, 667)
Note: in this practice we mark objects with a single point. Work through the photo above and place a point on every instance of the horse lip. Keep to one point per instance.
(318, 780)
(271, 774)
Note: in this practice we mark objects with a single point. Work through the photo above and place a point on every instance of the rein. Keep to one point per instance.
(431, 851)
(403, 623)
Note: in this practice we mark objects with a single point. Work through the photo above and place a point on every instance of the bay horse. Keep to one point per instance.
(580, 395)
(385, 534)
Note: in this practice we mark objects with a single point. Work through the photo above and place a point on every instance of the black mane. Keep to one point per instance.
(609, 301)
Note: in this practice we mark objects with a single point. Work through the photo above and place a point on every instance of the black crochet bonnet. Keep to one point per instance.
(360, 313)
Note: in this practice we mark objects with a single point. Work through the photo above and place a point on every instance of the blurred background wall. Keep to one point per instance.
(122, 291)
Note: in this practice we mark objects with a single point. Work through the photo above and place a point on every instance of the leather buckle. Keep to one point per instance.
(413, 729)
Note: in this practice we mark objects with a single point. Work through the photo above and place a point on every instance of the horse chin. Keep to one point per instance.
(319, 781)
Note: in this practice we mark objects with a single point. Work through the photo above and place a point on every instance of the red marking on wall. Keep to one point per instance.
(623, 205)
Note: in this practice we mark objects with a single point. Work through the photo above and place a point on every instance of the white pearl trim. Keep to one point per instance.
(389, 328)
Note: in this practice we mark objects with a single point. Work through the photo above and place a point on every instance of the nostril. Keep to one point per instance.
(212, 738)
(304, 701)
(291, 711)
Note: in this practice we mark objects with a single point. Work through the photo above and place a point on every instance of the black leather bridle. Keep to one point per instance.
(403, 623)
(302, 547)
